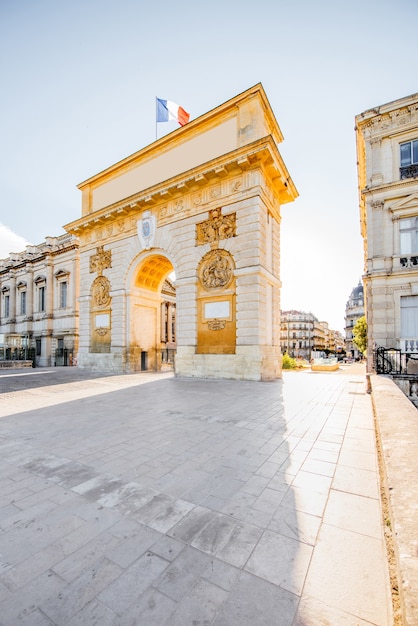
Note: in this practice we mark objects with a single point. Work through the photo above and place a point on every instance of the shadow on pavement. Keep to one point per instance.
(167, 502)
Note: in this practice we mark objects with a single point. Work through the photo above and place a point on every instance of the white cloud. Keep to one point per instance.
(10, 242)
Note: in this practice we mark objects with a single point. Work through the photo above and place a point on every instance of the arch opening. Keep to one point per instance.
(152, 316)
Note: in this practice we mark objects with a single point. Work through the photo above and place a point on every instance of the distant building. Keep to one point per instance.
(38, 313)
(340, 347)
(297, 333)
(303, 334)
(353, 311)
(387, 156)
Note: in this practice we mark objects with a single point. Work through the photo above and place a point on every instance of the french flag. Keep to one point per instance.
(167, 110)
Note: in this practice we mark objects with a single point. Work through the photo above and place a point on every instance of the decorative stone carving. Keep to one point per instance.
(216, 269)
(215, 192)
(101, 289)
(377, 206)
(100, 261)
(376, 142)
(146, 230)
(101, 331)
(179, 205)
(217, 227)
(197, 198)
(216, 324)
(401, 116)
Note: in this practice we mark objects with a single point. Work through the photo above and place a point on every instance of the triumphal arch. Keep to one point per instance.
(201, 204)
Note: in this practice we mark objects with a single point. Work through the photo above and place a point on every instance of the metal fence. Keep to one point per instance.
(393, 361)
(17, 354)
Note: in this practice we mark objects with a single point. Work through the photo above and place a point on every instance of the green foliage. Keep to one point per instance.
(288, 363)
(360, 334)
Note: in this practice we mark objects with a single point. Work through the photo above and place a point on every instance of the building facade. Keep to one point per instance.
(354, 309)
(303, 336)
(38, 307)
(298, 333)
(387, 156)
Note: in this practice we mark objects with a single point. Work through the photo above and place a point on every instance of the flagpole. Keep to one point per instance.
(156, 118)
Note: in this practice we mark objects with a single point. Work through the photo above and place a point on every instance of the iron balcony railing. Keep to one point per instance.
(393, 361)
(409, 171)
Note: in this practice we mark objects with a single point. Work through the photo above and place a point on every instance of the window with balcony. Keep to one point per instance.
(408, 233)
(408, 230)
(409, 322)
(409, 159)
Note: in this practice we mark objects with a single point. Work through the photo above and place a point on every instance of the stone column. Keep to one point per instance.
(29, 294)
(49, 304)
(377, 176)
(169, 322)
(162, 325)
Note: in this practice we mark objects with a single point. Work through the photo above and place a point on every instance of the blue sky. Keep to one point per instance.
(79, 81)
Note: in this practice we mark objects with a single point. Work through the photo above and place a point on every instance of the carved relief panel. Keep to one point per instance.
(216, 304)
(100, 311)
(216, 228)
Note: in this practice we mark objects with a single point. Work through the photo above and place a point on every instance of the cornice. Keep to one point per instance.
(391, 111)
(401, 184)
(263, 153)
(31, 261)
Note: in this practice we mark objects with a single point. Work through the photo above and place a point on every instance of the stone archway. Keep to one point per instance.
(151, 314)
(205, 199)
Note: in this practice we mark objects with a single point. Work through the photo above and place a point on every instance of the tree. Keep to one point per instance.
(360, 334)
(288, 363)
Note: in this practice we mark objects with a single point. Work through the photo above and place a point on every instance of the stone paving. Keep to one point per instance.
(148, 500)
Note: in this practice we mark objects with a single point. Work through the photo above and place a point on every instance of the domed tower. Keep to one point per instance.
(354, 309)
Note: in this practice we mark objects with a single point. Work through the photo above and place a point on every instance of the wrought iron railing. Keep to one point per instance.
(393, 361)
(409, 171)
(409, 261)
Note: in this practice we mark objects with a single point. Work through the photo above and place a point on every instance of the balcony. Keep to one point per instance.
(401, 364)
(409, 171)
(409, 261)
(409, 346)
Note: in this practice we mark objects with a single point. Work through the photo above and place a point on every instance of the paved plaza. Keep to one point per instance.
(150, 500)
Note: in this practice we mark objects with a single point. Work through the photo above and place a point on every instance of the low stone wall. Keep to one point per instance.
(14, 364)
(397, 431)
(408, 384)
(324, 368)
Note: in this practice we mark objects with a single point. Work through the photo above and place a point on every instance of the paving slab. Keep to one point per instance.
(145, 499)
